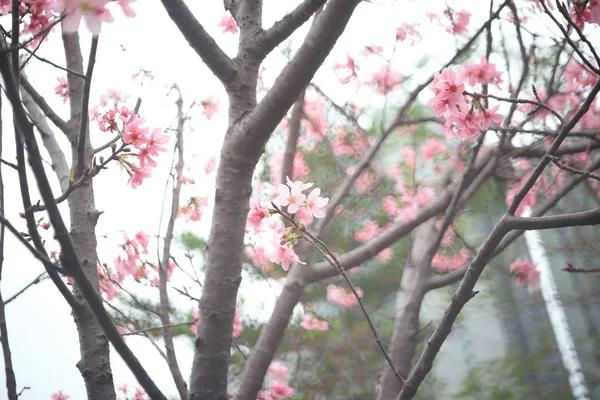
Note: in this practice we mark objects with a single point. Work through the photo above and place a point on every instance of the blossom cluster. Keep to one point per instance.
(298, 204)
(339, 296)
(526, 273)
(95, 12)
(464, 119)
(310, 323)
(131, 263)
(114, 117)
(452, 21)
(278, 387)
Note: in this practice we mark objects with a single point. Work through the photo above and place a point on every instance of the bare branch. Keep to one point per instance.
(59, 161)
(46, 109)
(287, 166)
(203, 44)
(583, 218)
(84, 122)
(163, 272)
(261, 122)
(283, 28)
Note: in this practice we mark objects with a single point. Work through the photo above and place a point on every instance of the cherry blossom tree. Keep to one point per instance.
(308, 190)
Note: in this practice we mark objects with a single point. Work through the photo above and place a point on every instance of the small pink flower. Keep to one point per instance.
(290, 197)
(315, 204)
(126, 7)
(62, 90)
(185, 180)
(278, 370)
(309, 323)
(60, 396)
(257, 214)
(135, 133)
(228, 24)
(285, 256)
(138, 175)
(339, 296)
(238, 327)
(211, 165)
(281, 390)
(94, 11)
(526, 272)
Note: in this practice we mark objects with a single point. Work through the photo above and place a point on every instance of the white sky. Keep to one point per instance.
(42, 334)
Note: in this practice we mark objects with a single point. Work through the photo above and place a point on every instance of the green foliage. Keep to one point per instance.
(192, 242)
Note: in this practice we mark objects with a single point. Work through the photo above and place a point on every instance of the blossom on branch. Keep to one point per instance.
(526, 273)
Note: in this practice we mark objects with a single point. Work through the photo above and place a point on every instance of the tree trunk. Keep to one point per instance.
(408, 307)
(95, 362)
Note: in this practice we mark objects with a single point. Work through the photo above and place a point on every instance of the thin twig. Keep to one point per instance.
(84, 122)
(556, 161)
(330, 257)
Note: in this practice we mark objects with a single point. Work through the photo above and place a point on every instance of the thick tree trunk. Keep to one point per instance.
(223, 277)
(95, 362)
(408, 307)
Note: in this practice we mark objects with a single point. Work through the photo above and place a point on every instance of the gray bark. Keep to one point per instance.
(408, 307)
(94, 364)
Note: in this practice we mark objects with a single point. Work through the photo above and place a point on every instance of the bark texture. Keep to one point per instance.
(94, 364)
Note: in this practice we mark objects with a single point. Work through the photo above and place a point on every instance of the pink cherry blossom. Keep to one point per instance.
(408, 31)
(278, 370)
(186, 180)
(256, 214)
(59, 396)
(135, 133)
(304, 216)
(281, 390)
(385, 80)
(433, 147)
(140, 394)
(62, 90)
(258, 258)
(228, 24)
(285, 256)
(309, 323)
(192, 211)
(315, 204)
(526, 272)
(211, 165)
(94, 12)
(347, 71)
(369, 230)
(290, 196)
(482, 73)
(385, 255)
(137, 176)
(126, 7)
(445, 263)
(341, 297)
(238, 327)
(390, 206)
(210, 106)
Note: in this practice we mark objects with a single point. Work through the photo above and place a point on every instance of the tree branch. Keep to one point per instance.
(203, 44)
(43, 105)
(256, 128)
(69, 257)
(583, 218)
(163, 272)
(283, 28)
(84, 122)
